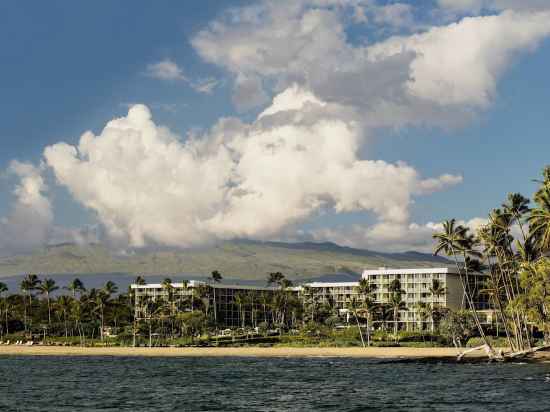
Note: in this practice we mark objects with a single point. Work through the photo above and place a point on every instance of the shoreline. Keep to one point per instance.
(250, 351)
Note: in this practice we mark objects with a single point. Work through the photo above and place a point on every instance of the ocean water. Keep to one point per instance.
(267, 384)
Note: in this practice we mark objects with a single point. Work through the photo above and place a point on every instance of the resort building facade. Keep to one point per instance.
(231, 305)
(239, 306)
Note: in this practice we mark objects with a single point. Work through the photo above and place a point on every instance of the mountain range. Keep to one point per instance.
(246, 260)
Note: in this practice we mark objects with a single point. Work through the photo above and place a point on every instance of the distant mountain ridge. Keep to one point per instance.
(237, 259)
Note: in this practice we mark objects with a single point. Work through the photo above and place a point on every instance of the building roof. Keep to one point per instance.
(195, 283)
(397, 271)
(331, 284)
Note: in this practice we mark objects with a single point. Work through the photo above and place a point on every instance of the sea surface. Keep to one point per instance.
(267, 384)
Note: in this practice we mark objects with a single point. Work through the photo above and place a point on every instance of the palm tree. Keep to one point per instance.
(76, 286)
(139, 281)
(366, 290)
(352, 306)
(423, 311)
(310, 299)
(436, 290)
(275, 278)
(64, 304)
(452, 241)
(77, 314)
(169, 290)
(240, 301)
(539, 220)
(100, 301)
(46, 287)
(265, 301)
(396, 303)
(110, 288)
(28, 284)
(216, 277)
(517, 206)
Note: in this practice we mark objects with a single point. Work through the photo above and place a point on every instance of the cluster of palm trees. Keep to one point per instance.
(73, 311)
(509, 254)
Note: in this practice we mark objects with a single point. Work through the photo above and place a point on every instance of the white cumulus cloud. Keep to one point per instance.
(299, 157)
(438, 77)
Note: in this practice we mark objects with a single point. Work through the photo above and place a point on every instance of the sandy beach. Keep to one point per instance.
(373, 352)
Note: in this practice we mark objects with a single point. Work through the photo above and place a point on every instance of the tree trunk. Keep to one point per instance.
(359, 328)
(49, 309)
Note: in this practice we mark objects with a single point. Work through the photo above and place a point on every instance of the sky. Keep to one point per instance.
(179, 124)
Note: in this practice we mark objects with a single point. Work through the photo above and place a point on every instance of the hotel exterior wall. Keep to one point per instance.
(416, 284)
(228, 312)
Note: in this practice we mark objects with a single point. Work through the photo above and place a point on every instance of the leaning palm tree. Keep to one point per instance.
(47, 287)
(454, 240)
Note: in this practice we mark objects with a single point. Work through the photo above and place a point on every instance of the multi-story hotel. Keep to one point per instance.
(226, 301)
(233, 305)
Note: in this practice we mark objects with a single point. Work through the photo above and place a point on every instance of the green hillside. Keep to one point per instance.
(248, 260)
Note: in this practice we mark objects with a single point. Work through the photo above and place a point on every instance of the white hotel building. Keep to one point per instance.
(415, 284)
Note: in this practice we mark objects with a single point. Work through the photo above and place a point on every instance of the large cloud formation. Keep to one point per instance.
(436, 77)
(320, 97)
(254, 180)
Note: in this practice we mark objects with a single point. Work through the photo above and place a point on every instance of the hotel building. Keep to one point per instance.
(415, 284)
(233, 305)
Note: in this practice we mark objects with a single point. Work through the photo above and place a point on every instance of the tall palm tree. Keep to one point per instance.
(215, 277)
(396, 303)
(28, 285)
(436, 290)
(240, 301)
(139, 281)
(353, 305)
(75, 286)
(63, 305)
(47, 287)
(453, 241)
(366, 290)
(517, 206)
(310, 300)
(77, 315)
(168, 288)
(265, 301)
(100, 302)
(424, 312)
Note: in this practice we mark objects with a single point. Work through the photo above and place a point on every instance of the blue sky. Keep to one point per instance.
(68, 67)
